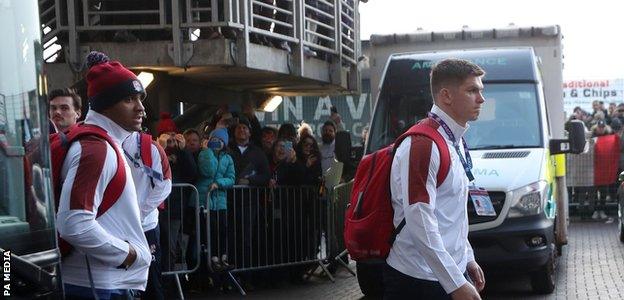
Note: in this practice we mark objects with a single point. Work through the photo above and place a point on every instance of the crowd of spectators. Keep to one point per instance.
(232, 149)
(601, 122)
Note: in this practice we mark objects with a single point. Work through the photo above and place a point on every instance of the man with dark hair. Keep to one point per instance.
(431, 257)
(328, 144)
(248, 111)
(193, 142)
(250, 162)
(252, 169)
(269, 137)
(111, 256)
(287, 131)
(65, 108)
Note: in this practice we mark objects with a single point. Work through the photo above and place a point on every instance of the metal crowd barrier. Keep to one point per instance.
(264, 228)
(591, 177)
(180, 235)
(340, 197)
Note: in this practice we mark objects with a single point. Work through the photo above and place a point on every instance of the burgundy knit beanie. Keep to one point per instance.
(166, 124)
(109, 82)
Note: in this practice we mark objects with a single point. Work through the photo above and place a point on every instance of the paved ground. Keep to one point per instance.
(592, 267)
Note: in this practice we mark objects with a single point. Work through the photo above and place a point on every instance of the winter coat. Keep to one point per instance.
(215, 168)
(251, 164)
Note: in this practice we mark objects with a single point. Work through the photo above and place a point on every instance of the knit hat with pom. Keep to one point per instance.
(109, 82)
(166, 124)
(220, 133)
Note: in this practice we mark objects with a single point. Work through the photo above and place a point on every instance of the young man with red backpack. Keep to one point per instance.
(105, 253)
(431, 257)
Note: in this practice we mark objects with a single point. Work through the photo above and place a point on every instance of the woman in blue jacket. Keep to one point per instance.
(216, 174)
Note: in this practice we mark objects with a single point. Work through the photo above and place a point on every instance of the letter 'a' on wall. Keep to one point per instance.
(355, 111)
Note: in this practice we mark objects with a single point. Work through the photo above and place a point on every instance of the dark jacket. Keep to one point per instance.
(311, 175)
(184, 169)
(256, 131)
(288, 173)
(252, 164)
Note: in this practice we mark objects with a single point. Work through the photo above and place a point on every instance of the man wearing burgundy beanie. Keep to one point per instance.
(111, 256)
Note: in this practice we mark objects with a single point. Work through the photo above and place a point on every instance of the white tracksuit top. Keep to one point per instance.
(149, 197)
(433, 245)
(88, 168)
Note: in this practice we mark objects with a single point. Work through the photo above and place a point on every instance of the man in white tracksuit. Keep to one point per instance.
(110, 255)
(431, 257)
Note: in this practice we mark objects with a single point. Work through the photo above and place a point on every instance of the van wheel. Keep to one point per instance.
(370, 279)
(543, 280)
(622, 232)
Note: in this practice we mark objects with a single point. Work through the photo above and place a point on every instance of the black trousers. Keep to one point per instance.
(154, 289)
(400, 286)
(218, 234)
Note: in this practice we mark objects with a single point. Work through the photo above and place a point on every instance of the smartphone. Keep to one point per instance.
(288, 146)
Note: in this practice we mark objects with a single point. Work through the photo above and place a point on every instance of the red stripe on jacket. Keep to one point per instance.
(419, 161)
(166, 169)
(92, 159)
(164, 161)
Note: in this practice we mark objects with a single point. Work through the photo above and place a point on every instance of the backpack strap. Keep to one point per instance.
(116, 186)
(146, 148)
(145, 143)
(427, 128)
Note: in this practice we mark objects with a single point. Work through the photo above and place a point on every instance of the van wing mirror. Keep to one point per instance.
(575, 143)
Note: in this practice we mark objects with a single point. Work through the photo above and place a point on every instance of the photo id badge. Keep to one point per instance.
(481, 201)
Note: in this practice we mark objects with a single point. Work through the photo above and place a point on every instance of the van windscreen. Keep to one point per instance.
(404, 98)
(509, 117)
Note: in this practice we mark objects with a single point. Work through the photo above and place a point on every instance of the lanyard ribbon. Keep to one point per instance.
(136, 162)
(466, 162)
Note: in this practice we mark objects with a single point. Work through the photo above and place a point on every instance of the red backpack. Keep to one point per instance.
(59, 145)
(145, 141)
(369, 229)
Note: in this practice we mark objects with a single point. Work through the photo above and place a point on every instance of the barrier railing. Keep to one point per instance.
(265, 228)
(591, 177)
(320, 25)
(179, 224)
(331, 27)
(212, 13)
(350, 31)
(340, 197)
(276, 21)
(50, 27)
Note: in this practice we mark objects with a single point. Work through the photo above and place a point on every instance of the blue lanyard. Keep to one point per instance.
(136, 162)
(137, 156)
(467, 162)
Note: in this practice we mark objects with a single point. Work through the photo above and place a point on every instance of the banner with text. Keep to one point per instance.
(354, 109)
(583, 92)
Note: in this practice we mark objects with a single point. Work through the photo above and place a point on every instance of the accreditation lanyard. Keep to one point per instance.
(466, 162)
(151, 173)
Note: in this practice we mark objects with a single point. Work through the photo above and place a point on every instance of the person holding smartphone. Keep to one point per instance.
(309, 156)
(285, 169)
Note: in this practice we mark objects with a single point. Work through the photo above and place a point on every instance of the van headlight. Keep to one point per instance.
(528, 200)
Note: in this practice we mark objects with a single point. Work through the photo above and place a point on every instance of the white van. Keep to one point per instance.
(511, 145)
